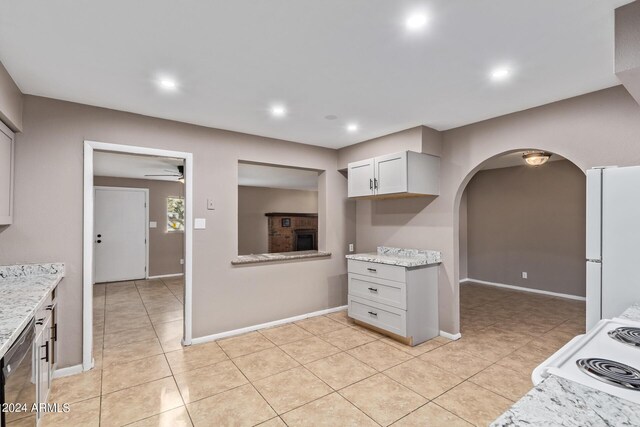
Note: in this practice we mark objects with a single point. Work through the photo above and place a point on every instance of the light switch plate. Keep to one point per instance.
(200, 224)
(210, 205)
(153, 224)
(351, 249)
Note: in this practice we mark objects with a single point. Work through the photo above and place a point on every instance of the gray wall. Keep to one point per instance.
(528, 219)
(599, 128)
(254, 202)
(165, 249)
(49, 171)
(10, 101)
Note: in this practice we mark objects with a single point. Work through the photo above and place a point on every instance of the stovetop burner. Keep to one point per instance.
(626, 335)
(608, 371)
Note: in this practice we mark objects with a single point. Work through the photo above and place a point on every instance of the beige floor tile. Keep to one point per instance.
(504, 381)
(139, 402)
(118, 323)
(29, 421)
(265, 363)
(169, 330)
(195, 356)
(145, 333)
(285, 334)
(130, 352)
(455, 361)
(168, 316)
(273, 422)
(178, 417)
(244, 344)
(76, 387)
(340, 370)
(416, 350)
(383, 399)
(320, 325)
(431, 415)
(163, 307)
(424, 378)
(242, 406)
(84, 413)
(342, 317)
(347, 338)
(379, 355)
(208, 381)
(128, 374)
(290, 389)
(473, 403)
(310, 349)
(328, 411)
(368, 331)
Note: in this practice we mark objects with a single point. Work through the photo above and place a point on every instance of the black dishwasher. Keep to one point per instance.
(17, 379)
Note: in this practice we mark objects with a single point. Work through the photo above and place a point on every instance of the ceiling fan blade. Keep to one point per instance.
(176, 176)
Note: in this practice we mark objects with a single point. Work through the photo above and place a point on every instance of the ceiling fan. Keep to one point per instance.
(177, 174)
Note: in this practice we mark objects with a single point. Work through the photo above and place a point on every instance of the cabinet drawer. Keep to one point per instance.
(384, 317)
(372, 269)
(378, 290)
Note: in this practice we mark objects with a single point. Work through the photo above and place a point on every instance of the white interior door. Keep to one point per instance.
(120, 227)
(620, 239)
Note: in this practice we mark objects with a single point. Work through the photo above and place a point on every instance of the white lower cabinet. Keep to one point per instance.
(399, 301)
(44, 352)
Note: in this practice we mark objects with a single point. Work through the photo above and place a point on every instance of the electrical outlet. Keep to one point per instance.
(181, 261)
(351, 249)
(524, 274)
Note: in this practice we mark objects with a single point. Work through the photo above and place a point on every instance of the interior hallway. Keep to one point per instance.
(313, 372)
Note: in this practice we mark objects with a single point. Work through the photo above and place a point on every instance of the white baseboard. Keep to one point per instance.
(520, 288)
(453, 337)
(240, 331)
(69, 370)
(164, 276)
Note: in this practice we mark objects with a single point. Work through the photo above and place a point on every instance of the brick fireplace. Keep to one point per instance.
(290, 232)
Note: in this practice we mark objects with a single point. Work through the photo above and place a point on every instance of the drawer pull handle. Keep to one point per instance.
(373, 290)
(373, 313)
(40, 322)
(373, 270)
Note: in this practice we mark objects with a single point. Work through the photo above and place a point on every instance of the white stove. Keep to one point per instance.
(607, 359)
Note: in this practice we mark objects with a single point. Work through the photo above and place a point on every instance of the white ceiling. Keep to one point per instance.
(512, 159)
(353, 59)
(277, 177)
(133, 166)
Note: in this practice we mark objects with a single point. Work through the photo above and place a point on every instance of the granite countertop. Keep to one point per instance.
(278, 256)
(23, 288)
(400, 257)
(632, 313)
(559, 402)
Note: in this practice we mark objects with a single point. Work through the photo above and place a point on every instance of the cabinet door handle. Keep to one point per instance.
(40, 322)
(54, 332)
(370, 184)
(373, 290)
(372, 270)
(373, 313)
(49, 307)
(46, 352)
(375, 183)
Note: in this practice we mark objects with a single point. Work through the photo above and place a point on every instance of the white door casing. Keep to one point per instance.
(120, 233)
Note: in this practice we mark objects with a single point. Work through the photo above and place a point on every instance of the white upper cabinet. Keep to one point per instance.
(361, 178)
(403, 174)
(6, 175)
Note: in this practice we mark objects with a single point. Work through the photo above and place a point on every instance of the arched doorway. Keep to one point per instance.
(510, 244)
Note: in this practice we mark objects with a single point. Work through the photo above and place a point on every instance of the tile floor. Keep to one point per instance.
(322, 371)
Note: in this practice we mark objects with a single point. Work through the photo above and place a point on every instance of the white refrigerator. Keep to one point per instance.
(613, 241)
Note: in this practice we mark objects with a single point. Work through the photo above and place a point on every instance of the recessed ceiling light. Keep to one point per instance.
(500, 73)
(278, 111)
(167, 83)
(416, 21)
(352, 127)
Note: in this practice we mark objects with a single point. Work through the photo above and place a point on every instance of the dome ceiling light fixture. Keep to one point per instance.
(537, 158)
